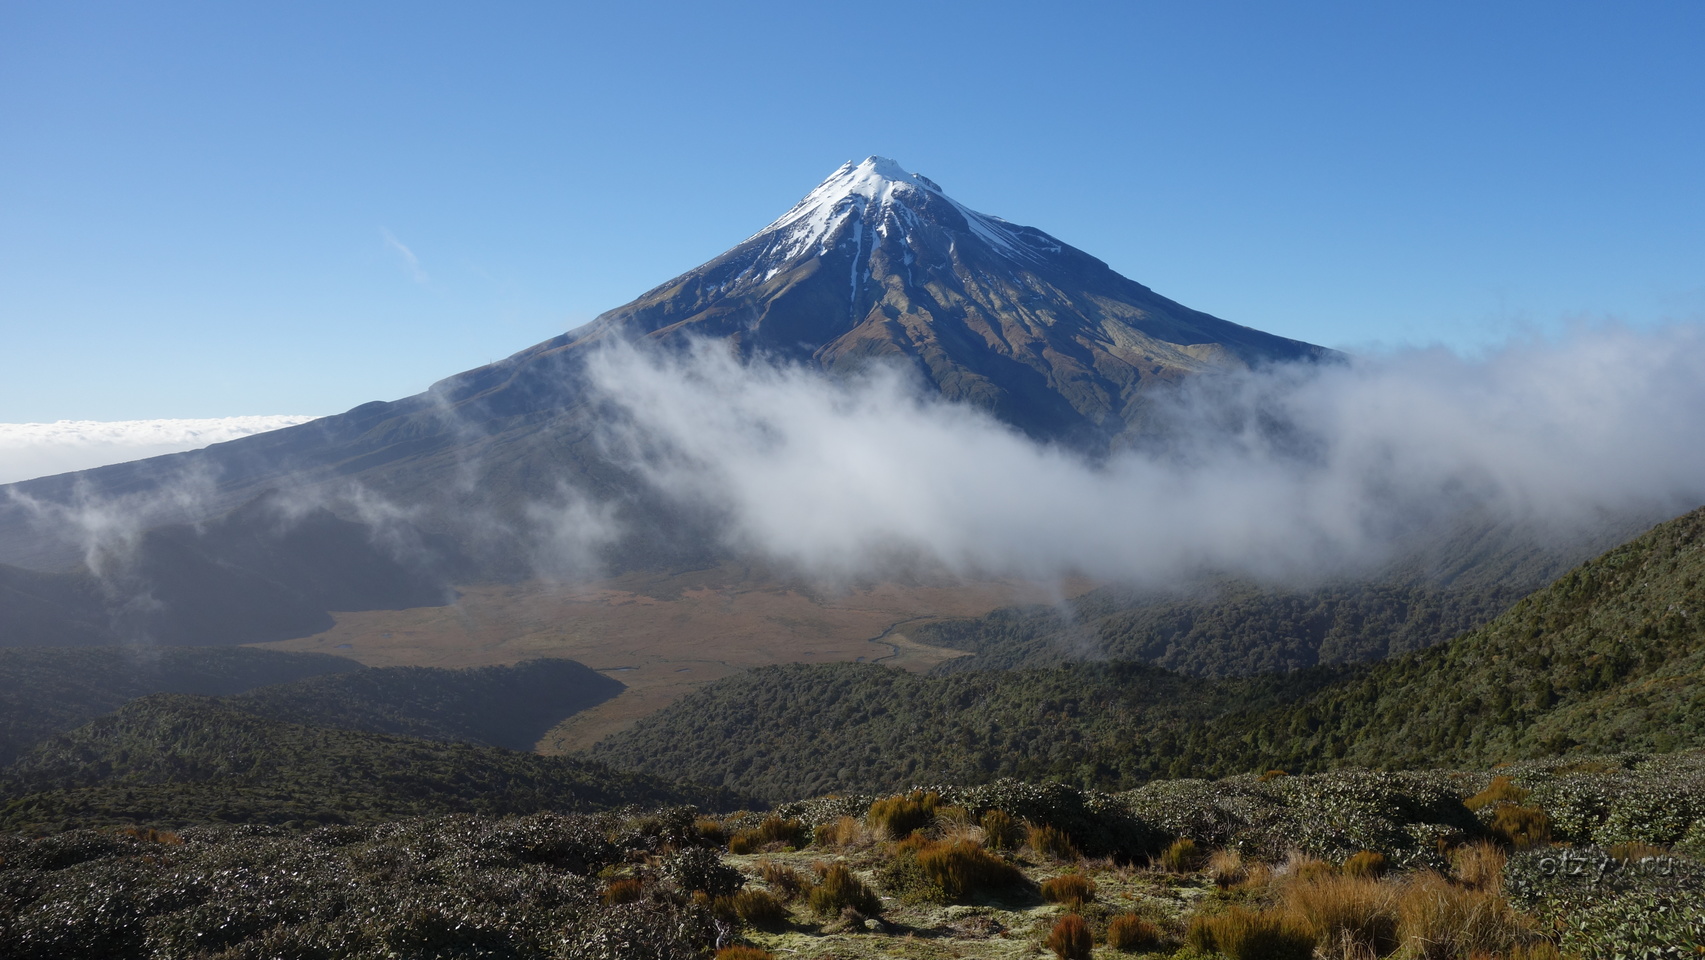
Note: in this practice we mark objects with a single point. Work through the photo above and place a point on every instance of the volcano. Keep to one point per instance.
(875, 266)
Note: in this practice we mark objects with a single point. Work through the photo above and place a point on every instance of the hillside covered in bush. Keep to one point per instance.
(1606, 659)
(173, 759)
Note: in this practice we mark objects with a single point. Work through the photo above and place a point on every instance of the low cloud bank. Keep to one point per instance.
(30, 450)
(1290, 472)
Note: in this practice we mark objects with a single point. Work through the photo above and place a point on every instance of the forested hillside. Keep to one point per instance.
(1606, 659)
(1229, 629)
(172, 759)
(44, 691)
(509, 706)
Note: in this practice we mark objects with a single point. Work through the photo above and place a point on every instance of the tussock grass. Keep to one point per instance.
(1244, 934)
(1438, 920)
(771, 832)
(1072, 889)
(622, 890)
(1049, 841)
(1367, 863)
(1129, 933)
(743, 953)
(760, 908)
(901, 815)
(837, 889)
(1001, 831)
(844, 832)
(784, 881)
(1227, 869)
(1356, 915)
(1070, 939)
(1182, 856)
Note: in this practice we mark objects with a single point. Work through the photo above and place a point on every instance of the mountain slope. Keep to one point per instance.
(174, 759)
(1609, 658)
(875, 264)
(48, 691)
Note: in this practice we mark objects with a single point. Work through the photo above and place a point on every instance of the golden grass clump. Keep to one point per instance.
(1356, 915)
(1478, 866)
(1129, 933)
(1227, 869)
(151, 835)
(772, 831)
(1521, 827)
(1070, 939)
(1001, 831)
(1072, 889)
(1050, 841)
(836, 889)
(963, 869)
(760, 908)
(783, 880)
(1501, 790)
(900, 815)
(710, 830)
(1182, 856)
(623, 890)
(1244, 934)
(1439, 920)
(743, 953)
(1367, 863)
(1271, 775)
(845, 832)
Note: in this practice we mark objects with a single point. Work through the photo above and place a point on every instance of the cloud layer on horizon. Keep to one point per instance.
(30, 450)
(1284, 473)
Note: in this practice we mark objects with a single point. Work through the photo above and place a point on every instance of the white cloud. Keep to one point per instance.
(29, 450)
(1286, 472)
(410, 261)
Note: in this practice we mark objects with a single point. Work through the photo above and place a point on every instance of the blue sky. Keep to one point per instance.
(215, 209)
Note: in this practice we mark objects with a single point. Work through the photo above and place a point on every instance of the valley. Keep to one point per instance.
(664, 636)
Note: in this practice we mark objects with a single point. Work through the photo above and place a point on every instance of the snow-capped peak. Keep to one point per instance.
(881, 194)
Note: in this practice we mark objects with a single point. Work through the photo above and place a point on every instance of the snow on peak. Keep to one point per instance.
(878, 192)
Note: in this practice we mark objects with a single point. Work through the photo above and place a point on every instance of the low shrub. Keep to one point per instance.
(760, 908)
(1244, 934)
(1001, 831)
(1071, 889)
(1182, 856)
(1050, 841)
(901, 815)
(1367, 863)
(783, 880)
(697, 868)
(836, 889)
(1128, 932)
(1070, 939)
(622, 890)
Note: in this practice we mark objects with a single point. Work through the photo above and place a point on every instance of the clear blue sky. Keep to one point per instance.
(204, 206)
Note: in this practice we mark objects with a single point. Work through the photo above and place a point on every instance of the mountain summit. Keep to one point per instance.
(875, 265)
(880, 264)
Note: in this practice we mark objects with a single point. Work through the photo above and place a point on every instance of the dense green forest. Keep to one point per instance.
(510, 706)
(49, 690)
(1230, 629)
(174, 759)
(1606, 659)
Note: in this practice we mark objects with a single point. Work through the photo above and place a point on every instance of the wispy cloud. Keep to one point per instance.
(410, 262)
(29, 450)
(1286, 472)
